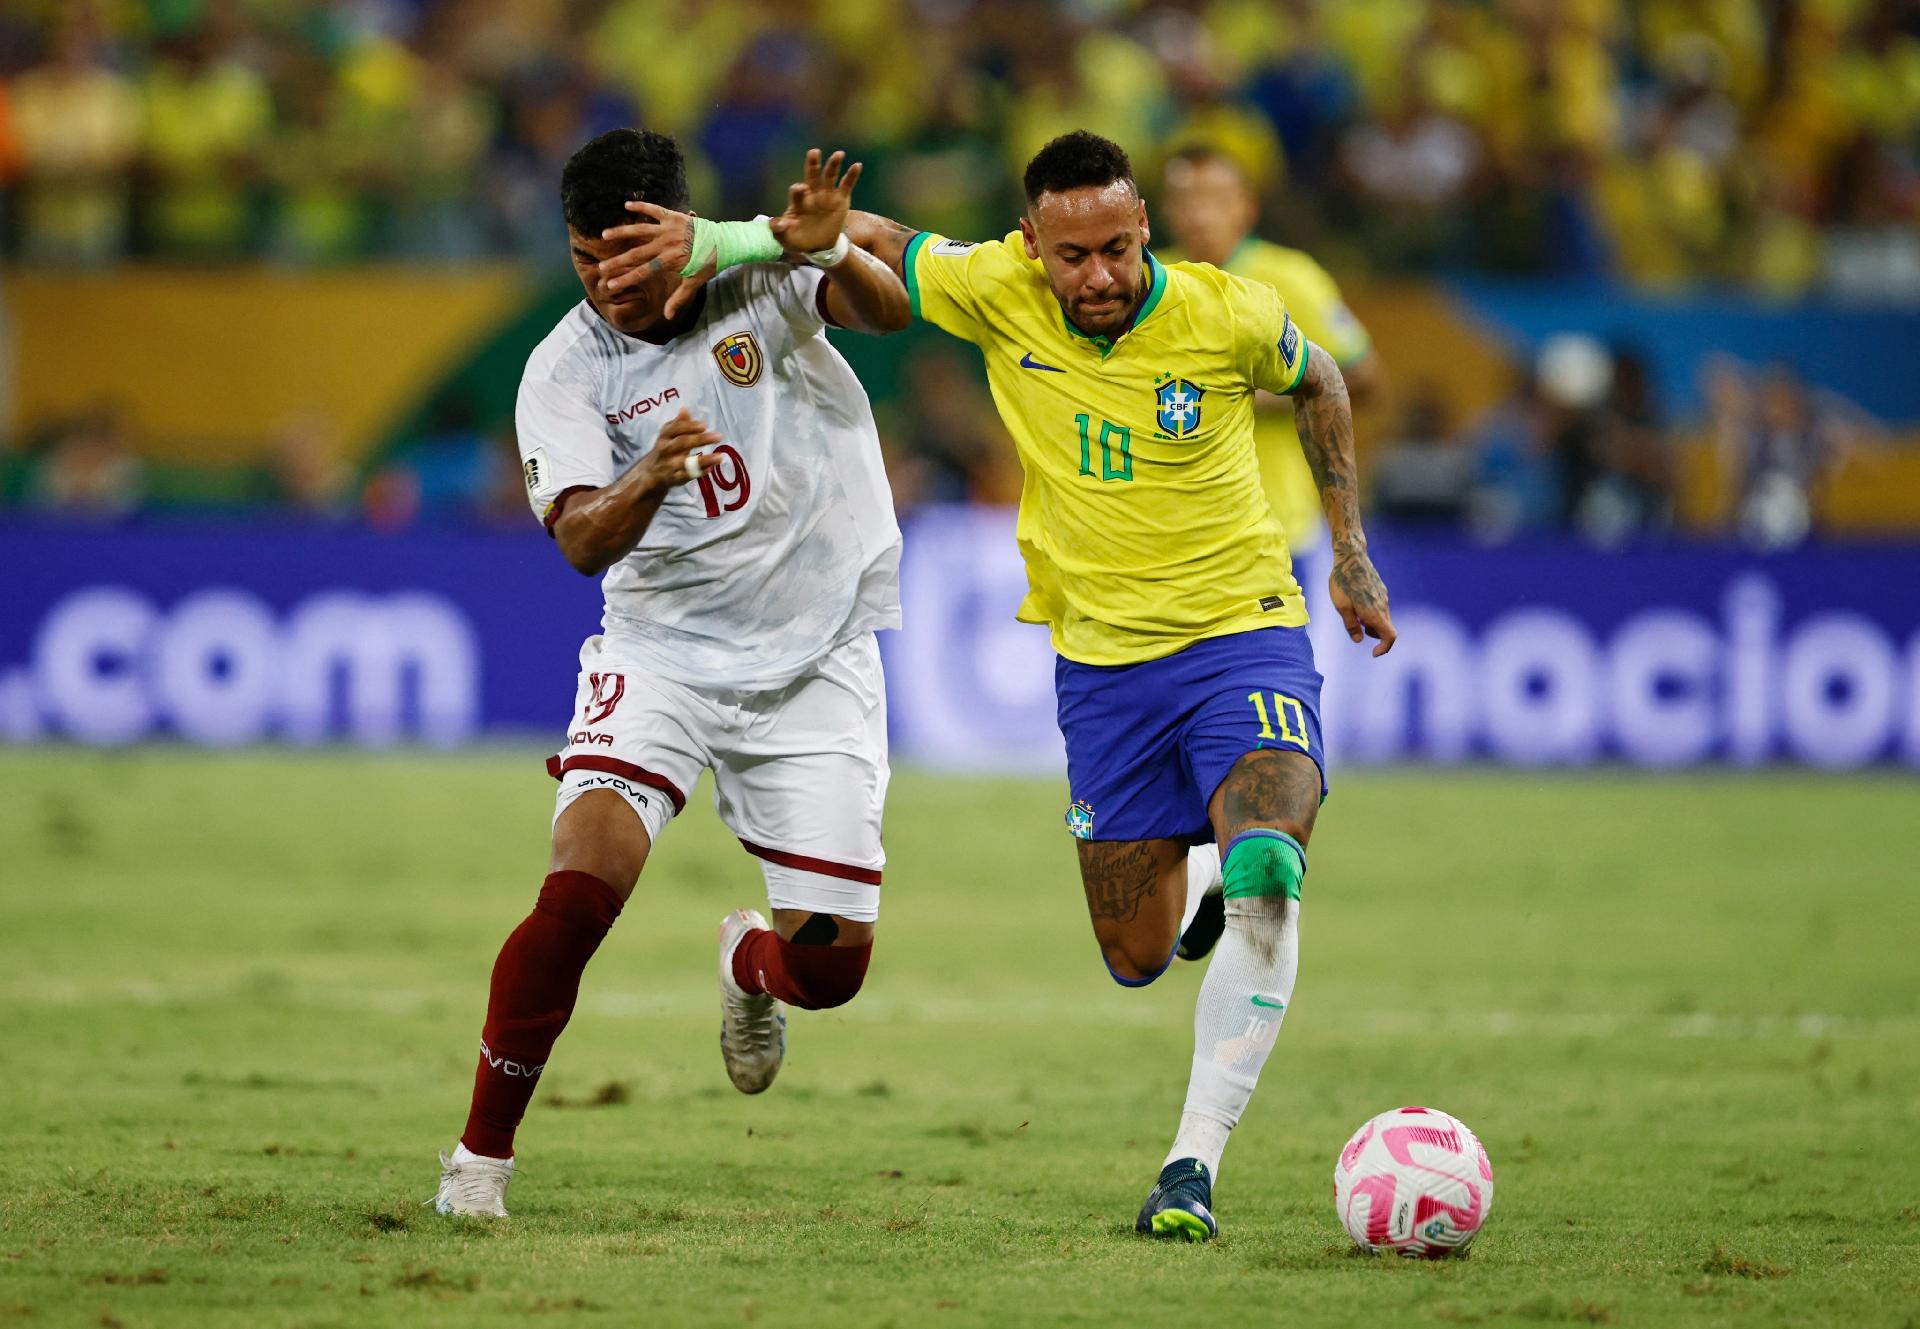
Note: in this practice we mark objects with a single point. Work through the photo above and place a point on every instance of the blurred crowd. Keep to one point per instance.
(1769, 143)
(1581, 445)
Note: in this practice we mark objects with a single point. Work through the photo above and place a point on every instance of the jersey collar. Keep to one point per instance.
(1156, 287)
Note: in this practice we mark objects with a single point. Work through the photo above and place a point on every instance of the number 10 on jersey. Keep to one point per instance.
(1288, 713)
(1110, 435)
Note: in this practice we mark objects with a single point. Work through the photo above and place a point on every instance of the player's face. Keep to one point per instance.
(1209, 207)
(1093, 243)
(632, 309)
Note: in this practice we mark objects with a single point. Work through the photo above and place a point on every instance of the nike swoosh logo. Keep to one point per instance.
(1276, 1005)
(1028, 362)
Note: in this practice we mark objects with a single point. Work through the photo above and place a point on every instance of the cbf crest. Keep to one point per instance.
(1080, 820)
(1179, 407)
(739, 359)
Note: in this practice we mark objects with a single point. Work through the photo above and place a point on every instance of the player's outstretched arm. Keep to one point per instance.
(862, 292)
(882, 237)
(599, 527)
(1324, 418)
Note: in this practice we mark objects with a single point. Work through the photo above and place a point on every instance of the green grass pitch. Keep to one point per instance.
(240, 998)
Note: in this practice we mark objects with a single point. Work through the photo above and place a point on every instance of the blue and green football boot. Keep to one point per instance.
(1181, 1203)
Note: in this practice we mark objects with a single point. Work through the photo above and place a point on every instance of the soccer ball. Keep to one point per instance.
(1413, 1180)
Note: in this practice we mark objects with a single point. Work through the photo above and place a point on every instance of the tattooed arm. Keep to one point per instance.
(1324, 419)
(882, 237)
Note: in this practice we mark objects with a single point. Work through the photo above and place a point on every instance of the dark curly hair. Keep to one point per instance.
(619, 165)
(1074, 161)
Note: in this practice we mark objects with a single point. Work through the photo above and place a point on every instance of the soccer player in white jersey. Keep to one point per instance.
(716, 459)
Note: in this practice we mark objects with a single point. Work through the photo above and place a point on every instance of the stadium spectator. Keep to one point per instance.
(89, 469)
(78, 122)
(208, 119)
(1779, 439)
(1424, 476)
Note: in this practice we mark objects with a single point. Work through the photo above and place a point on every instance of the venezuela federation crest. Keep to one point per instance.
(739, 358)
(1179, 407)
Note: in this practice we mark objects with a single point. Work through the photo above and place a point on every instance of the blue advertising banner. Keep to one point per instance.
(1552, 653)
(235, 633)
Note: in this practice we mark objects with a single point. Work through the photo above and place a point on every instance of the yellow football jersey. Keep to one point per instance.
(1142, 519)
(1313, 300)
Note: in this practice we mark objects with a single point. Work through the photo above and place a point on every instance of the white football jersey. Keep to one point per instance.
(788, 545)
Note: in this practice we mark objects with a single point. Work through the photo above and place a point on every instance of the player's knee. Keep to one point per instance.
(827, 976)
(1134, 963)
(1263, 864)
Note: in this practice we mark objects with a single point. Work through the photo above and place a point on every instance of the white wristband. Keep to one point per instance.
(831, 258)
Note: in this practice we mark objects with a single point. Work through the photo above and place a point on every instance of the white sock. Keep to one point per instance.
(1235, 1022)
(462, 1154)
(1203, 875)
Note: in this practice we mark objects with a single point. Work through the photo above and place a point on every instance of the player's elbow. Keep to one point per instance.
(894, 316)
(581, 555)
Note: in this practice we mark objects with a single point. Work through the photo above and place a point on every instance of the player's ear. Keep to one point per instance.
(1146, 231)
(1026, 234)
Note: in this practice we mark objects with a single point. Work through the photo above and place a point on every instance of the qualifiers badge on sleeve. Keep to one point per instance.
(739, 358)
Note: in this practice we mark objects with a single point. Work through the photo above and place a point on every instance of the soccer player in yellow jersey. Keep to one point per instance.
(1212, 209)
(1186, 685)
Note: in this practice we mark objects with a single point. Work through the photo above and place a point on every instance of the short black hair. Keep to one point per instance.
(620, 165)
(1075, 161)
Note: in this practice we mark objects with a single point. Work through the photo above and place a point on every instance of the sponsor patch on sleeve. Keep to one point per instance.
(954, 248)
(1289, 342)
(534, 468)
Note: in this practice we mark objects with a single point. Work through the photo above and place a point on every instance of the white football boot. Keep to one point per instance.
(753, 1026)
(473, 1186)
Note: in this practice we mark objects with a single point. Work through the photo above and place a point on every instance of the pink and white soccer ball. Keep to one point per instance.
(1413, 1180)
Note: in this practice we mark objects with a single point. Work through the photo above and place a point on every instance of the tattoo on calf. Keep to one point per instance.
(1119, 875)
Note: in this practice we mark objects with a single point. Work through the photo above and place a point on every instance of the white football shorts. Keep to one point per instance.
(799, 772)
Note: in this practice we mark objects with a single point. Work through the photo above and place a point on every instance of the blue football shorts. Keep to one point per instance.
(1148, 744)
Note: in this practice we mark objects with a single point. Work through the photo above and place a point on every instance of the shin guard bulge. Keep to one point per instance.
(535, 982)
(1245, 994)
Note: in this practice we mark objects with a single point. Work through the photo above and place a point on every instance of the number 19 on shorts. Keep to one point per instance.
(1287, 712)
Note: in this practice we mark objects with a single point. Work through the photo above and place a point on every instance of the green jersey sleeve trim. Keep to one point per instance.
(1306, 349)
(908, 265)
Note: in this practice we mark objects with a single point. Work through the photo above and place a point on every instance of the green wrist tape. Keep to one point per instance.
(729, 244)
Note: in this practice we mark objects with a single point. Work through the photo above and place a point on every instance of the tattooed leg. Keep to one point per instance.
(1135, 892)
(1267, 789)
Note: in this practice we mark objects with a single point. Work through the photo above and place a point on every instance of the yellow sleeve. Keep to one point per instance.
(1270, 349)
(947, 281)
(1313, 298)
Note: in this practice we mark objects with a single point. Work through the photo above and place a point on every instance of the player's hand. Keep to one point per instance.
(1361, 597)
(657, 240)
(667, 466)
(817, 206)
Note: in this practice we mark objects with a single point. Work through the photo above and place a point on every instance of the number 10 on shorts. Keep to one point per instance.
(1287, 712)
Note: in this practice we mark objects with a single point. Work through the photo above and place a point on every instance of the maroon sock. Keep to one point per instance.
(813, 978)
(535, 981)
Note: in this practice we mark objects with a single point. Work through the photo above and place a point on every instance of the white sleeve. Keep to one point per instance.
(563, 442)
(798, 292)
